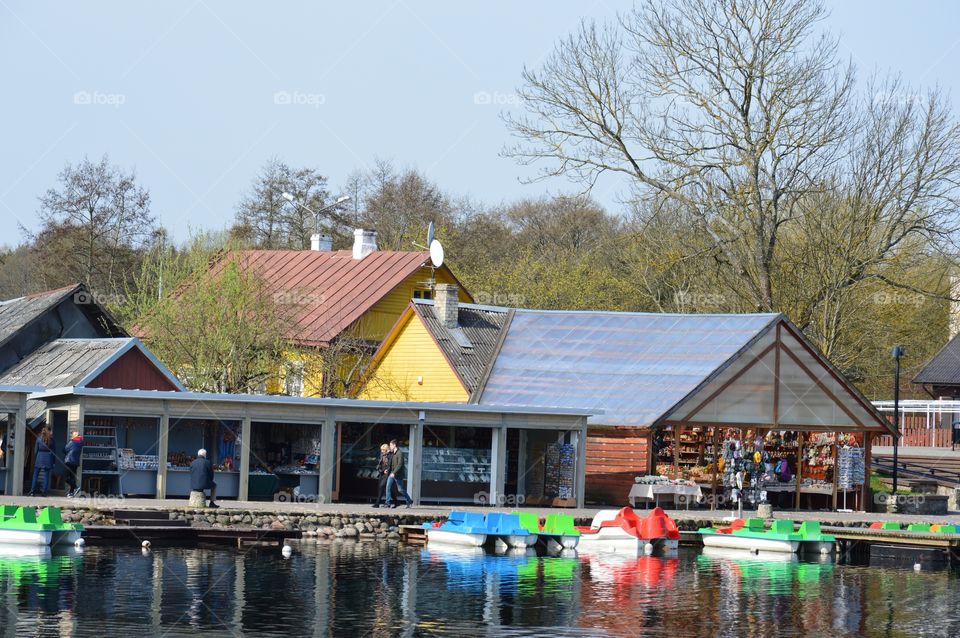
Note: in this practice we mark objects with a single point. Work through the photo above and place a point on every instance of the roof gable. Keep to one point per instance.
(81, 362)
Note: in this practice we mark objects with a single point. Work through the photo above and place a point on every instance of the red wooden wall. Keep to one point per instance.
(614, 457)
(132, 371)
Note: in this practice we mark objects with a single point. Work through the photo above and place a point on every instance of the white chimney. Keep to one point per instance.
(446, 304)
(364, 243)
(321, 243)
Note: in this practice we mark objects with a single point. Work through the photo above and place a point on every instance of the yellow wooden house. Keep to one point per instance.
(345, 301)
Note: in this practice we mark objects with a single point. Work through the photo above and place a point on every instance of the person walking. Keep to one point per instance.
(395, 478)
(43, 461)
(71, 461)
(201, 476)
(383, 473)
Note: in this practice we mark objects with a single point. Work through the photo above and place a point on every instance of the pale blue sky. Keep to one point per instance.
(186, 92)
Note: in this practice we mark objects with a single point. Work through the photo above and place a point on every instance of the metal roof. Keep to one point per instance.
(75, 362)
(306, 401)
(635, 366)
(480, 326)
(331, 289)
(944, 367)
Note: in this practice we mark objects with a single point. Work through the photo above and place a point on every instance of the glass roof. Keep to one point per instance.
(633, 366)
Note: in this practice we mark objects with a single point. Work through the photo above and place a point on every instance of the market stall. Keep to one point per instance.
(119, 454)
(219, 438)
(284, 461)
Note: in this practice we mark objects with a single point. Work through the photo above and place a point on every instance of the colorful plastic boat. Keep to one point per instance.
(507, 533)
(813, 541)
(557, 533)
(623, 530)
(22, 526)
(752, 535)
(468, 529)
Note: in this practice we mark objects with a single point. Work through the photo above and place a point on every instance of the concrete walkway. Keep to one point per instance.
(108, 504)
(927, 452)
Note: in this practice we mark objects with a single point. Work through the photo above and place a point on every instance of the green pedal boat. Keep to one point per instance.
(752, 535)
(22, 526)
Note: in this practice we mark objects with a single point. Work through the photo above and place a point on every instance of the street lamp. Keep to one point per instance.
(897, 352)
(316, 213)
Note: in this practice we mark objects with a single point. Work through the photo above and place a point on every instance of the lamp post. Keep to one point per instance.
(316, 213)
(897, 352)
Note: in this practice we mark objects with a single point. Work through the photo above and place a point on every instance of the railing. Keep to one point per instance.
(909, 470)
(919, 436)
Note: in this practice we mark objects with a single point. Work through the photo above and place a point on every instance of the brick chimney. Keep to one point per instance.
(321, 243)
(364, 243)
(446, 304)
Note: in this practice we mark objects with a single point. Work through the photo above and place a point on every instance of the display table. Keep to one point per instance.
(308, 482)
(178, 482)
(139, 482)
(653, 492)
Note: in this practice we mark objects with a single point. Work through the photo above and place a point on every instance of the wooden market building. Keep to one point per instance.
(672, 387)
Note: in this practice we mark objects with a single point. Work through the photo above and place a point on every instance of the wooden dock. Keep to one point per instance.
(413, 534)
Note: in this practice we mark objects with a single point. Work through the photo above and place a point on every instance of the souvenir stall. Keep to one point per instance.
(788, 469)
(219, 439)
(119, 454)
(6, 428)
(284, 461)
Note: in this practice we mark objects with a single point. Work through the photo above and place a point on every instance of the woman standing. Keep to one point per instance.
(71, 460)
(43, 461)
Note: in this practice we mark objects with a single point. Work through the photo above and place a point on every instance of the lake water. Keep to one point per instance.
(374, 589)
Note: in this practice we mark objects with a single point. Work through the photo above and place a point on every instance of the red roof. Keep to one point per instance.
(331, 288)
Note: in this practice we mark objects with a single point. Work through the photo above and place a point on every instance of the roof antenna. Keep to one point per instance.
(435, 249)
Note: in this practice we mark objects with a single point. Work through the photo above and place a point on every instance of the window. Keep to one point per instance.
(423, 294)
(293, 379)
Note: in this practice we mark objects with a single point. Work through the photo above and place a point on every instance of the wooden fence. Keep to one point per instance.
(919, 436)
(614, 457)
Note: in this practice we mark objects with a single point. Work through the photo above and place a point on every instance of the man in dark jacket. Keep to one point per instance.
(201, 476)
(395, 478)
(71, 460)
(43, 461)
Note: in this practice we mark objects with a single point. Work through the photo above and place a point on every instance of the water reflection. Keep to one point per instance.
(387, 590)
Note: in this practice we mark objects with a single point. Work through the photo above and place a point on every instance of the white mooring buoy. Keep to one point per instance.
(145, 544)
(287, 551)
(917, 567)
(79, 542)
(648, 549)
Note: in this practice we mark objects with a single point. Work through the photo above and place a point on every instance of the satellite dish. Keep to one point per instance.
(430, 234)
(436, 253)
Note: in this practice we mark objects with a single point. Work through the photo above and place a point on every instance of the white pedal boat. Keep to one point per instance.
(623, 531)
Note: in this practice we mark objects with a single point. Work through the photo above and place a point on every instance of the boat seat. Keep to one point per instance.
(8, 511)
(474, 520)
(50, 516)
(810, 529)
(893, 526)
(561, 524)
(754, 525)
(946, 529)
(456, 517)
(782, 526)
(529, 521)
(500, 523)
(876, 525)
(918, 527)
(26, 515)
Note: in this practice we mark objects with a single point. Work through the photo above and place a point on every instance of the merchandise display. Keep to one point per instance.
(456, 464)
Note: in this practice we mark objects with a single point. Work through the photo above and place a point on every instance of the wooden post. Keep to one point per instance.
(836, 442)
(716, 460)
(19, 447)
(797, 476)
(676, 451)
(328, 441)
(865, 495)
(246, 439)
(163, 448)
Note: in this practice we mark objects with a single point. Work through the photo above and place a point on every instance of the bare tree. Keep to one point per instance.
(94, 224)
(268, 220)
(740, 115)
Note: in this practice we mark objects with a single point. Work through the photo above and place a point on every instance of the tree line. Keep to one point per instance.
(763, 175)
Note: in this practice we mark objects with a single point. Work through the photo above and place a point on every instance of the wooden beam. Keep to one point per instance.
(776, 380)
(865, 496)
(246, 439)
(836, 442)
(716, 459)
(797, 476)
